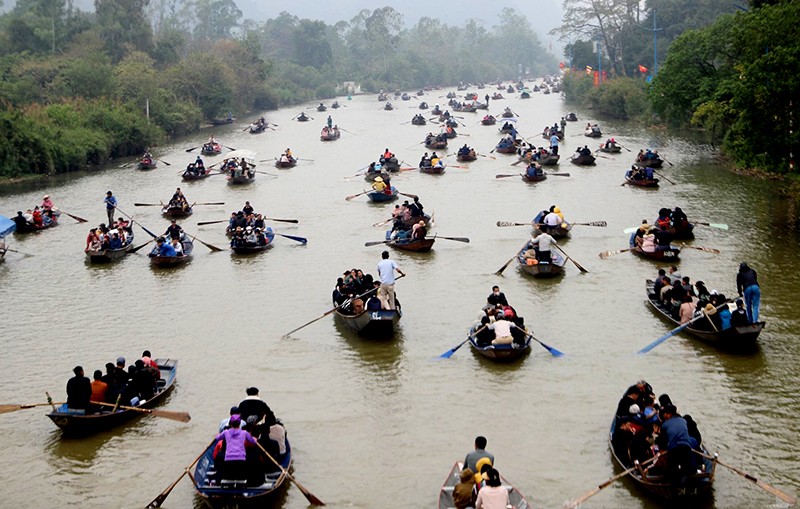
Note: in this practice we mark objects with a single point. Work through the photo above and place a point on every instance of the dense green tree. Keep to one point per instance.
(124, 26)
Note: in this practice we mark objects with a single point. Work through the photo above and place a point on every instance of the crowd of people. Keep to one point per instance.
(659, 236)
(250, 426)
(431, 138)
(118, 386)
(238, 167)
(467, 151)
(640, 173)
(408, 221)
(419, 120)
(330, 132)
(243, 219)
(117, 236)
(645, 426)
(480, 486)
(196, 168)
(687, 302)
(432, 161)
(178, 201)
(250, 236)
(355, 292)
(211, 146)
(499, 323)
(646, 156)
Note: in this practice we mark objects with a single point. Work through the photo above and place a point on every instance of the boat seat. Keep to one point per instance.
(233, 484)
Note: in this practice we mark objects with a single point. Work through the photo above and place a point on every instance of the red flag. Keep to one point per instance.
(642, 69)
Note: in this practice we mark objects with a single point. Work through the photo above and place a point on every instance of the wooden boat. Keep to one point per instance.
(303, 118)
(257, 128)
(536, 88)
(593, 132)
(111, 255)
(377, 197)
(535, 178)
(196, 176)
(651, 183)
(419, 120)
(436, 144)
(452, 95)
(31, 228)
(372, 324)
(416, 245)
(465, 158)
(245, 178)
(335, 105)
(559, 134)
(383, 97)
(286, 164)
(571, 117)
(454, 477)
(497, 97)
(507, 114)
(370, 177)
(211, 149)
(219, 493)
(610, 149)
(251, 249)
(330, 135)
(742, 338)
(525, 95)
(667, 255)
(405, 97)
(549, 160)
(423, 105)
(542, 269)
(432, 170)
(545, 90)
(176, 212)
(146, 163)
(583, 159)
(322, 108)
(490, 120)
(471, 96)
(653, 480)
(388, 107)
(510, 90)
(171, 261)
(465, 109)
(85, 424)
(450, 134)
(223, 121)
(649, 163)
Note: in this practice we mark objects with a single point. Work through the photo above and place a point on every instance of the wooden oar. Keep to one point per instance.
(301, 240)
(167, 414)
(506, 175)
(203, 223)
(140, 247)
(163, 161)
(457, 239)
(356, 195)
(412, 196)
(789, 499)
(208, 203)
(193, 148)
(500, 271)
(450, 352)
(229, 148)
(626, 148)
(345, 130)
(664, 177)
(606, 254)
(489, 157)
(573, 504)
(326, 313)
(148, 204)
(13, 407)
(82, 220)
(159, 500)
(665, 160)
(376, 243)
(309, 496)
(511, 223)
(18, 252)
(383, 223)
(209, 246)
(281, 220)
(555, 352)
(602, 224)
(578, 265)
(701, 248)
(678, 329)
(133, 221)
(721, 226)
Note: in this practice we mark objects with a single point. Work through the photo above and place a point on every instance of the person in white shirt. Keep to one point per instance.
(543, 241)
(502, 331)
(386, 268)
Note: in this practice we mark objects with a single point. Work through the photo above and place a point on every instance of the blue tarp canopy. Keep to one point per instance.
(6, 226)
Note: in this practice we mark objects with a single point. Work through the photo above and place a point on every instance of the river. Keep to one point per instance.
(378, 425)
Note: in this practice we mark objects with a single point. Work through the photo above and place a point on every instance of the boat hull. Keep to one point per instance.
(372, 324)
(649, 183)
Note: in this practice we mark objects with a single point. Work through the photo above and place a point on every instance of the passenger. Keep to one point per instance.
(79, 391)
(225, 423)
(163, 248)
(493, 495)
(233, 441)
(174, 230)
(496, 298)
(115, 242)
(177, 246)
(418, 231)
(686, 311)
(747, 286)
(464, 492)
(378, 185)
(99, 387)
(663, 239)
(143, 381)
(472, 458)
(723, 313)
(551, 221)
(254, 405)
(739, 315)
(674, 439)
(374, 303)
(701, 291)
(687, 285)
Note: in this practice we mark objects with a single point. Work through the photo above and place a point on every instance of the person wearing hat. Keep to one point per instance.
(747, 286)
(231, 445)
(111, 205)
(79, 390)
(254, 405)
(378, 185)
(225, 423)
(47, 203)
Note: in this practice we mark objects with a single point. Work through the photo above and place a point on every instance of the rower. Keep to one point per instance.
(378, 185)
(174, 230)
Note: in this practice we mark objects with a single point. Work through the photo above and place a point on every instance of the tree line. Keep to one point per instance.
(78, 86)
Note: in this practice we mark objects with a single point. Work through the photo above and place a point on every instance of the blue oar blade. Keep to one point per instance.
(556, 353)
(664, 338)
(301, 240)
(450, 352)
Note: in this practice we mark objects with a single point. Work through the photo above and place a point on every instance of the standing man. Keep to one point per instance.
(487, 99)
(480, 452)
(330, 122)
(554, 144)
(543, 241)
(563, 124)
(386, 268)
(79, 391)
(111, 206)
(747, 286)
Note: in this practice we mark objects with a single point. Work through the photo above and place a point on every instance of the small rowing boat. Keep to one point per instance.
(241, 247)
(651, 183)
(77, 422)
(538, 268)
(176, 211)
(371, 324)
(172, 261)
(111, 255)
(380, 197)
(454, 477)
